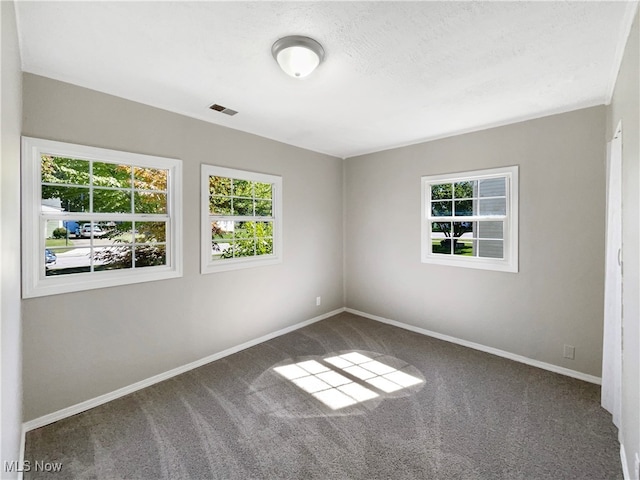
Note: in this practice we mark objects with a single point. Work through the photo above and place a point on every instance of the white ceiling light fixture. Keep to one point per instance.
(298, 56)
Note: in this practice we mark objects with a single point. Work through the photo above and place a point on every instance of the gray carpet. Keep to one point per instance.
(364, 400)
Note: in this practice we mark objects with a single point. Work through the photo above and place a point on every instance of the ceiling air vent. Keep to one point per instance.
(221, 109)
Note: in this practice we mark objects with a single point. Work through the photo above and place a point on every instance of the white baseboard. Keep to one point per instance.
(625, 465)
(476, 346)
(94, 402)
(623, 460)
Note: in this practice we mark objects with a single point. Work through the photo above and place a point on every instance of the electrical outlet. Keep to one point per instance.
(569, 352)
(318, 301)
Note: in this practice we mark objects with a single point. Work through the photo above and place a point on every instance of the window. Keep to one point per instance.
(241, 219)
(96, 218)
(470, 219)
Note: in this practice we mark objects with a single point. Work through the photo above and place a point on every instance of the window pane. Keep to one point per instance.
(111, 175)
(150, 255)
(441, 209)
(465, 248)
(440, 229)
(222, 239)
(242, 188)
(242, 206)
(66, 260)
(245, 239)
(222, 229)
(150, 178)
(220, 205)
(220, 186)
(225, 252)
(146, 202)
(490, 229)
(264, 229)
(58, 247)
(66, 199)
(490, 248)
(493, 206)
(245, 247)
(465, 189)
(463, 229)
(221, 250)
(114, 257)
(111, 201)
(441, 246)
(147, 232)
(121, 232)
(441, 191)
(263, 208)
(55, 233)
(440, 241)
(264, 246)
(263, 190)
(463, 208)
(50, 259)
(64, 170)
(493, 187)
(243, 229)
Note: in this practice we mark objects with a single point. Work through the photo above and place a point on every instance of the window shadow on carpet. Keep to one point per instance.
(349, 382)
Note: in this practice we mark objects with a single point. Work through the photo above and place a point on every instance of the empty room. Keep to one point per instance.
(328, 240)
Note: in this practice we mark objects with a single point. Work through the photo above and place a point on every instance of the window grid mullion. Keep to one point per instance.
(253, 207)
(106, 217)
(91, 251)
(91, 187)
(131, 193)
(239, 218)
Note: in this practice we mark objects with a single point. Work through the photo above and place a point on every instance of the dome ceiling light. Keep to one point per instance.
(298, 56)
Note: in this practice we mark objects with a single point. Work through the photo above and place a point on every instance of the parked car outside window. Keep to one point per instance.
(85, 231)
(49, 257)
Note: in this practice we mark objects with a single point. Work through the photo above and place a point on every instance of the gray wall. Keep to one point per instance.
(625, 107)
(556, 298)
(11, 414)
(81, 345)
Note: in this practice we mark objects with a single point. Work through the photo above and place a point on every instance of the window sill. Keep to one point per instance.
(498, 265)
(240, 263)
(75, 283)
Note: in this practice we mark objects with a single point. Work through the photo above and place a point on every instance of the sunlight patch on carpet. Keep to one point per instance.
(344, 380)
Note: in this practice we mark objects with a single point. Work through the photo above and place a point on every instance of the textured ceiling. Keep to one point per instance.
(395, 73)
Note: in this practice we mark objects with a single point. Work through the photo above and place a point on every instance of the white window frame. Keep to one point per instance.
(509, 262)
(207, 265)
(34, 281)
